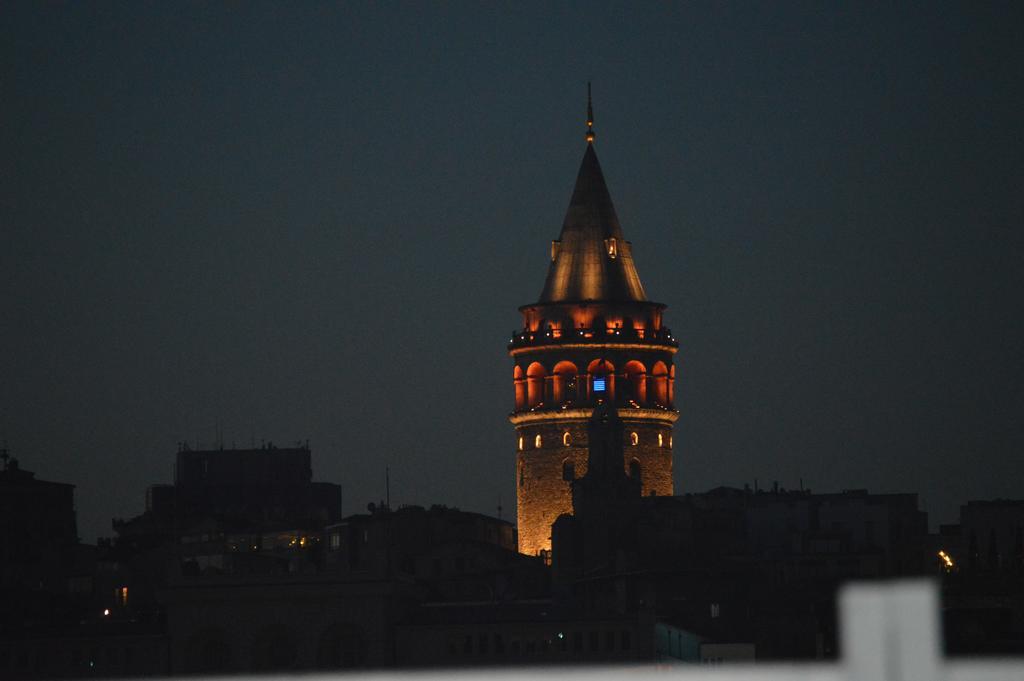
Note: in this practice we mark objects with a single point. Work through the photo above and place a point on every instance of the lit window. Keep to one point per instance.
(634, 439)
(123, 595)
(566, 439)
(612, 246)
(520, 443)
(335, 541)
(661, 440)
(670, 442)
(536, 442)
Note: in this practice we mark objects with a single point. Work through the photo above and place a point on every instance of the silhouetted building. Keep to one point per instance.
(38, 531)
(981, 561)
(749, 570)
(376, 570)
(265, 487)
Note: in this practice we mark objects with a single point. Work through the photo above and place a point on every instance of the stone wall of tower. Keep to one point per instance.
(542, 491)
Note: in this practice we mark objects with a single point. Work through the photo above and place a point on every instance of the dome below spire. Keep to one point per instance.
(591, 261)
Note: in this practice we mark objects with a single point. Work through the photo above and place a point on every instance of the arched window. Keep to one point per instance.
(537, 441)
(635, 387)
(661, 440)
(634, 469)
(659, 384)
(566, 438)
(564, 385)
(634, 439)
(520, 443)
(568, 470)
(534, 385)
(519, 381)
(602, 380)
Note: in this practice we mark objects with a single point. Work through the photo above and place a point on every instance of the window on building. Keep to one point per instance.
(537, 441)
(566, 438)
(716, 610)
(335, 541)
(520, 443)
(661, 440)
(612, 246)
(634, 439)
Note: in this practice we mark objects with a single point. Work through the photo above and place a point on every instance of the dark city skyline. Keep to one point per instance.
(283, 223)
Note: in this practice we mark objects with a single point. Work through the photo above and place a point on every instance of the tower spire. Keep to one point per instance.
(590, 117)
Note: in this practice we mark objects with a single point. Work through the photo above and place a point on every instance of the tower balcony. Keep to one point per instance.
(525, 338)
(572, 412)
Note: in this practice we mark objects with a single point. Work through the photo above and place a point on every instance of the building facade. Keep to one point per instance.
(592, 337)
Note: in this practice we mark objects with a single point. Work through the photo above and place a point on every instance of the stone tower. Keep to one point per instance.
(592, 337)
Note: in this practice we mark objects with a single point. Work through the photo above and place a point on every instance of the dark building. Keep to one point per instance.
(727, 567)
(269, 486)
(38, 530)
(376, 573)
(981, 561)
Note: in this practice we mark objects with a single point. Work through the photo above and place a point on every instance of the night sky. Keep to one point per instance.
(317, 221)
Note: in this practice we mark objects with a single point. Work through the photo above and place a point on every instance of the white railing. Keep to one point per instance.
(890, 631)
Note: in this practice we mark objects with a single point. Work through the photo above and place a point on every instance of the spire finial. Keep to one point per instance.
(590, 117)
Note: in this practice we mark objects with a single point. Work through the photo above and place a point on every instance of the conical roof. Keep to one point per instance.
(591, 260)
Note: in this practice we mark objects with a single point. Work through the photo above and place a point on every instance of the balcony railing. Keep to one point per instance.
(612, 334)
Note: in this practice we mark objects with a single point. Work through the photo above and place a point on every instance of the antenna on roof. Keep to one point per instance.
(590, 117)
